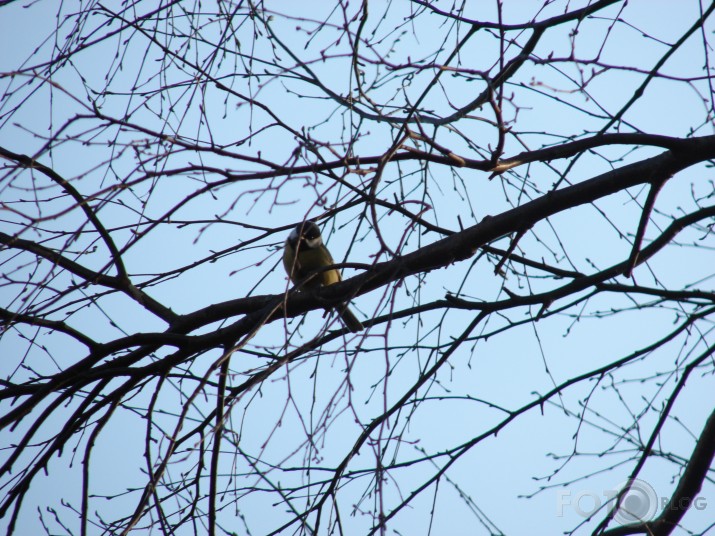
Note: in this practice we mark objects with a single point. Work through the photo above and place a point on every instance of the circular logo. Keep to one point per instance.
(640, 503)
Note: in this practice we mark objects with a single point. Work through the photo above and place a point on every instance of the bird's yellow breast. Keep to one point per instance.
(308, 261)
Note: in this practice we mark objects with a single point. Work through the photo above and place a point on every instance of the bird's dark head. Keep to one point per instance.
(307, 233)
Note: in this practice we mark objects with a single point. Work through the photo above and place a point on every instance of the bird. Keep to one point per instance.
(303, 254)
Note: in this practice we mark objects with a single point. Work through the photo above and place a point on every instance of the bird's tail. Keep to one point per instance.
(349, 319)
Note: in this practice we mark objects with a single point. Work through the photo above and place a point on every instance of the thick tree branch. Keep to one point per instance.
(685, 493)
(90, 276)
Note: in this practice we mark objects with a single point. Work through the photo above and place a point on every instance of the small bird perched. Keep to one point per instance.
(304, 253)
